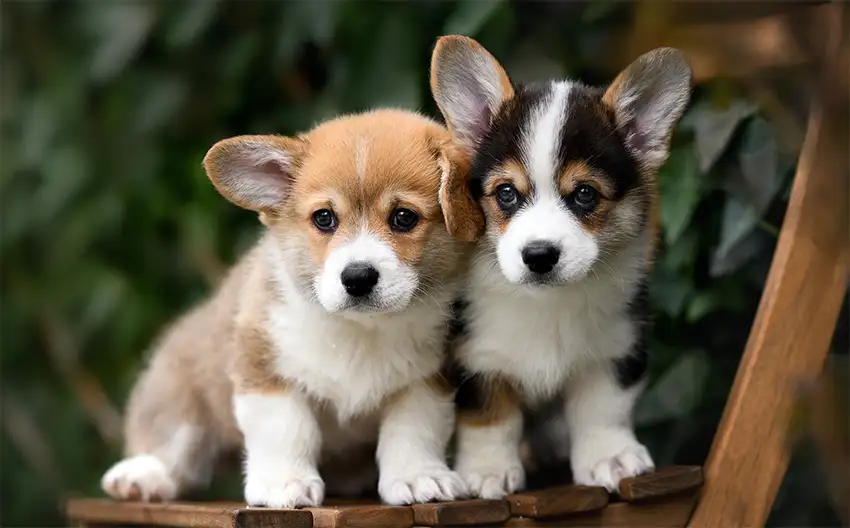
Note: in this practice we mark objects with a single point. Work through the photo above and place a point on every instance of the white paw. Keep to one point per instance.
(606, 467)
(142, 477)
(425, 485)
(493, 480)
(284, 489)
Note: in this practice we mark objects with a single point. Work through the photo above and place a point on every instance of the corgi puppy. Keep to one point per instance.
(328, 338)
(562, 189)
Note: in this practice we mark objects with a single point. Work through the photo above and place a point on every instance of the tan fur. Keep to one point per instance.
(500, 401)
(222, 347)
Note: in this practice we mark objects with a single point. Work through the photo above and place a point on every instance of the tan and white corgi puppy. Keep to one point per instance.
(562, 185)
(327, 338)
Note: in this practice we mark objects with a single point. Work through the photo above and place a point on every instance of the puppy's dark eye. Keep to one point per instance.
(403, 220)
(586, 196)
(325, 220)
(506, 195)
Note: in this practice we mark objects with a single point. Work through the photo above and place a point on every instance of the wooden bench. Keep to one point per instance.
(788, 343)
(662, 498)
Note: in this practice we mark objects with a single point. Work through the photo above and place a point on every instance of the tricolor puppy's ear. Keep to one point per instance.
(469, 86)
(648, 98)
(464, 216)
(254, 172)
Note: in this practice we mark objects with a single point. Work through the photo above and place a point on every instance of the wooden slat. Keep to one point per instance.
(183, 515)
(793, 328)
(461, 513)
(556, 501)
(663, 482)
(375, 516)
(669, 512)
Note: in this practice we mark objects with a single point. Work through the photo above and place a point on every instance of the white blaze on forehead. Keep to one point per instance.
(361, 155)
(543, 137)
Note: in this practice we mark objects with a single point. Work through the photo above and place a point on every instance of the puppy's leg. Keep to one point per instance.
(169, 444)
(282, 443)
(489, 432)
(604, 448)
(415, 431)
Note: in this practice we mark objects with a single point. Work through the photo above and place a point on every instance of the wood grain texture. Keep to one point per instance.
(374, 516)
(661, 483)
(183, 515)
(791, 335)
(669, 512)
(557, 501)
(461, 513)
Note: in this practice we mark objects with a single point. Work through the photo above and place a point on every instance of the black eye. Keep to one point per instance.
(324, 220)
(586, 196)
(403, 219)
(506, 195)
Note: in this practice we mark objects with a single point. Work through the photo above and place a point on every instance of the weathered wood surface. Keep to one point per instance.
(105, 512)
(791, 335)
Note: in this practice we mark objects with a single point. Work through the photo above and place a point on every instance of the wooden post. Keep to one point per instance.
(794, 325)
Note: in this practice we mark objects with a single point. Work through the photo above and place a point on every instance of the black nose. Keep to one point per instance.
(359, 279)
(540, 257)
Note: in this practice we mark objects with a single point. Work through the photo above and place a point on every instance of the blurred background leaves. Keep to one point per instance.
(109, 228)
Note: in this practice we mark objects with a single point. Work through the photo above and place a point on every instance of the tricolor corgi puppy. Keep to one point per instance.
(327, 338)
(562, 183)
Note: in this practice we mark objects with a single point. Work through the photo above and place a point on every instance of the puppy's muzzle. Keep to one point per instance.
(359, 279)
(540, 257)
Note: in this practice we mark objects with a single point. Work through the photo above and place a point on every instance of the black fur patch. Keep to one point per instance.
(632, 367)
(589, 135)
(500, 143)
(470, 390)
(457, 322)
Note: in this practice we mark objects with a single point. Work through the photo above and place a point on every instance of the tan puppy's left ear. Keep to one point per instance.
(469, 86)
(464, 216)
(255, 172)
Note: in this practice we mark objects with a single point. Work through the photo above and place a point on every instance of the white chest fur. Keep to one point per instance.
(538, 338)
(354, 363)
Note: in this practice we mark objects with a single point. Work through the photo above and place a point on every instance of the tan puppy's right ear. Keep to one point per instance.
(464, 216)
(255, 172)
(469, 86)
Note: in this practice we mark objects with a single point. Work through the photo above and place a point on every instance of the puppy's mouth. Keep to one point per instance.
(369, 305)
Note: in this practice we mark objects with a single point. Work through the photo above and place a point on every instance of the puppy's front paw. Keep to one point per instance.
(284, 489)
(142, 477)
(493, 479)
(424, 485)
(606, 463)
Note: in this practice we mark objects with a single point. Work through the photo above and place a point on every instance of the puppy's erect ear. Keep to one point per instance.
(648, 98)
(254, 172)
(469, 86)
(464, 217)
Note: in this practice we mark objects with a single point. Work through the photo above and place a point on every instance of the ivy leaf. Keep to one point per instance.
(759, 162)
(470, 16)
(677, 393)
(680, 185)
(121, 28)
(713, 128)
(755, 243)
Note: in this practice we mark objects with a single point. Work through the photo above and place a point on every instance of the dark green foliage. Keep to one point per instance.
(110, 228)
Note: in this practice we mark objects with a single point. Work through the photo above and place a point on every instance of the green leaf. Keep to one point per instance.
(470, 16)
(121, 28)
(194, 17)
(758, 159)
(680, 184)
(713, 128)
(702, 304)
(669, 291)
(727, 261)
(677, 393)
(739, 219)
